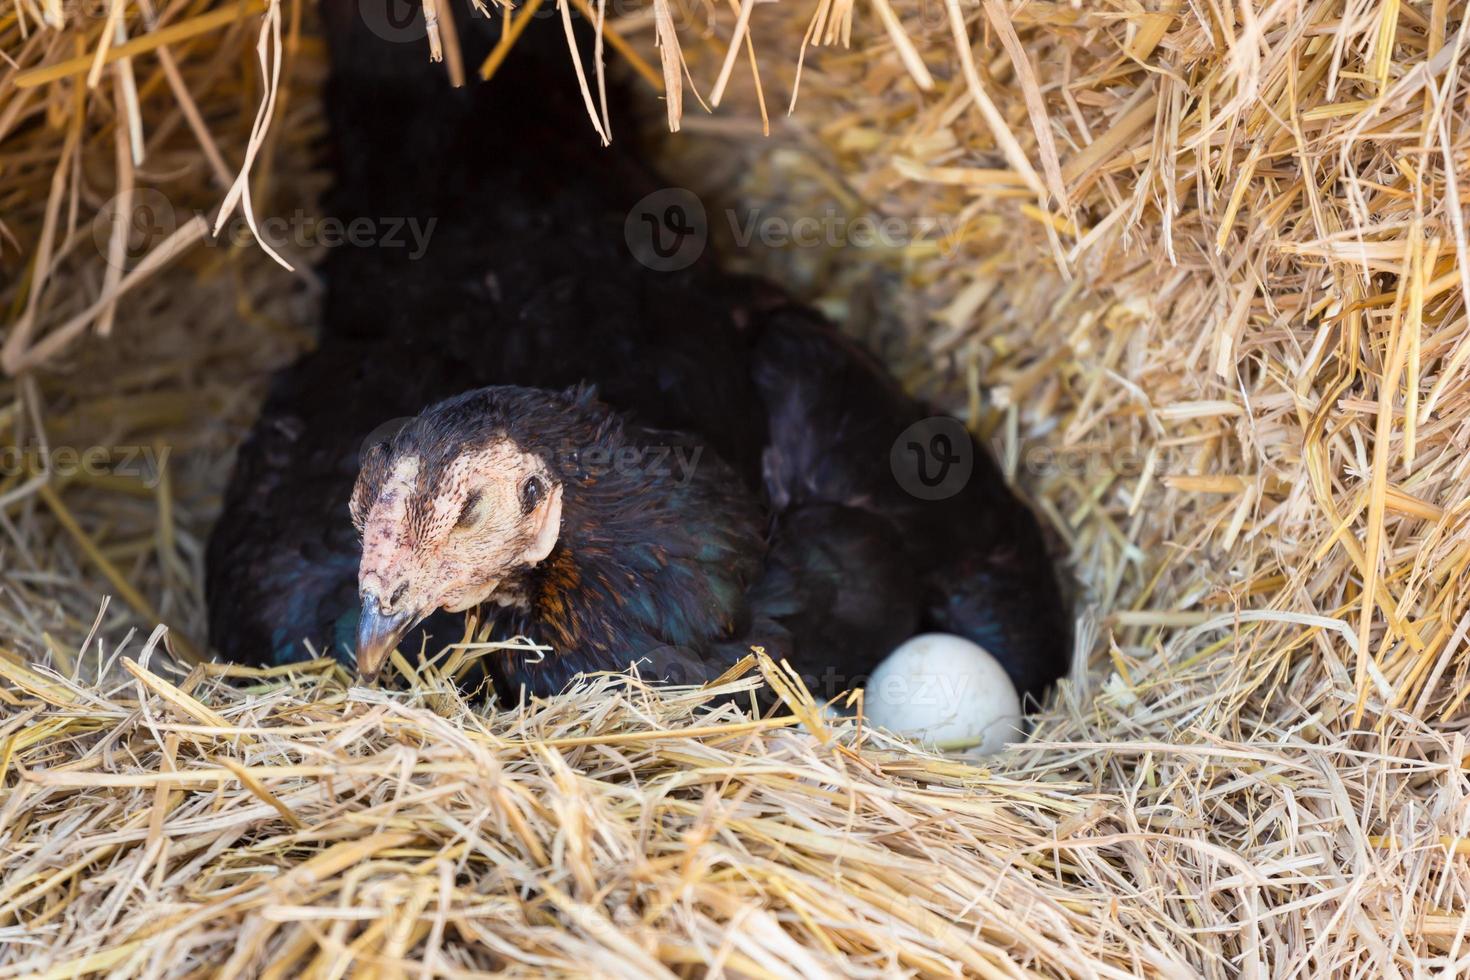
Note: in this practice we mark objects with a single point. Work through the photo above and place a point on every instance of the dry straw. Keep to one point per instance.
(1196, 269)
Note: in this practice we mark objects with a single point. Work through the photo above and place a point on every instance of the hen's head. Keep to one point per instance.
(456, 504)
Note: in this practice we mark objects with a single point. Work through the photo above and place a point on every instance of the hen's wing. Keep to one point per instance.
(978, 552)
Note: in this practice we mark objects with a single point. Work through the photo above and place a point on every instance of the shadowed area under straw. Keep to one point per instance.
(1196, 270)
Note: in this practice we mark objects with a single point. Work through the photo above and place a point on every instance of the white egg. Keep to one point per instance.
(946, 692)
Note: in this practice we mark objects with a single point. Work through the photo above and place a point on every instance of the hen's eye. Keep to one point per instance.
(531, 492)
(470, 511)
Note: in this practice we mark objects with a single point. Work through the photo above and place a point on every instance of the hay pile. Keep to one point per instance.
(303, 828)
(1201, 277)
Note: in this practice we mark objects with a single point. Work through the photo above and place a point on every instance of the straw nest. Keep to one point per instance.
(1196, 269)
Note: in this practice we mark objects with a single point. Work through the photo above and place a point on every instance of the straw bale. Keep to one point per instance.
(1197, 270)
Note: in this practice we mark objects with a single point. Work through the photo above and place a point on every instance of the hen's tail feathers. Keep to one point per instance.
(403, 135)
(457, 185)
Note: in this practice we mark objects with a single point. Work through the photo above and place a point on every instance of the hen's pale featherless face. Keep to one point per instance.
(447, 536)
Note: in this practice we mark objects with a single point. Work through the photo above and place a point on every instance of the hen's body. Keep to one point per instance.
(792, 531)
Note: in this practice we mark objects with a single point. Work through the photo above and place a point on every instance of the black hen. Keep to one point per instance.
(631, 465)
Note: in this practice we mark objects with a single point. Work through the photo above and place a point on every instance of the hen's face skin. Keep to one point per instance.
(447, 542)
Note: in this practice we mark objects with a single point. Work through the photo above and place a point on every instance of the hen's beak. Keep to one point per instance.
(377, 635)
